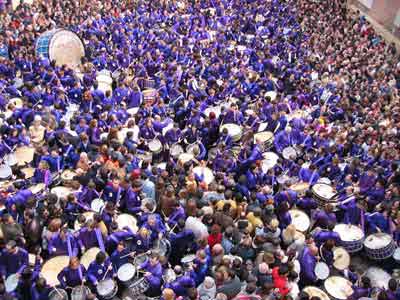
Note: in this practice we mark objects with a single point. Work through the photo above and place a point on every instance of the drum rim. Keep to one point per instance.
(59, 31)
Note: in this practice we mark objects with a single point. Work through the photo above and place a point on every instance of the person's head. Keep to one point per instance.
(392, 284)
(101, 257)
(121, 246)
(74, 263)
(168, 294)
(11, 247)
(283, 270)
(154, 259)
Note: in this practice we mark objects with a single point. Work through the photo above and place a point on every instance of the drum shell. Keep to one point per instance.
(350, 246)
(123, 271)
(139, 286)
(71, 47)
(80, 292)
(381, 253)
(55, 294)
(111, 293)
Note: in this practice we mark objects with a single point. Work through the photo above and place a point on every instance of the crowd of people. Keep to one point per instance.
(249, 101)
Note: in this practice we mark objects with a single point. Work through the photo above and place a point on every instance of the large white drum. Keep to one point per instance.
(300, 220)
(352, 237)
(235, 131)
(63, 46)
(338, 287)
(313, 291)
(379, 246)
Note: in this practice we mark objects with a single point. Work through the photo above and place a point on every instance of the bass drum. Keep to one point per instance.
(62, 46)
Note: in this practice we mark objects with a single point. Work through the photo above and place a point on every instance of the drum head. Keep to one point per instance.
(66, 48)
(185, 157)
(270, 160)
(341, 258)
(140, 259)
(299, 187)
(80, 292)
(61, 191)
(300, 220)
(338, 287)
(233, 129)
(105, 287)
(263, 136)
(378, 241)
(169, 276)
(155, 145)
(208, 174)
(176, 150)
(349, 233)
(52, 267)
(88, 216)
(323, 191)
(37, 188)
(215, 109)
(321, 270)
(11, 283)
(125, 220)
(5, 172)
(188, 258)
(68, 175)
(97, 205)
(126, 272)
(58, 294)
(396, 254)
(289, 153)
(379, 277)
(24, 155)
(313, 291)
(28, 172)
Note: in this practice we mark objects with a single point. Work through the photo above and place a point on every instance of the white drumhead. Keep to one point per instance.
(89, 256)
(37, 188)
(185, 157)
(11, 283)
(125, 220)
(289, 153)
(154, 145)
(300, 220)
(349, 233)
(338, 287)
(126, 272)
(377, 241)
(396, 254)
(323, 190)
(52, 267)
(61, 191)
(341, 258)
(66, 48)
(208, 174)
(313, 291)
(321, 270)
(325, 180)
(233, 129)
(97, 205)
(379, 277)
(263, 136)
(5, 171)
(271, 94)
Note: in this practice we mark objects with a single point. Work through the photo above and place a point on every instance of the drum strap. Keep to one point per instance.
(69, 247)
(320, 253)
(100, 239)
(80, 272)
(118, 195)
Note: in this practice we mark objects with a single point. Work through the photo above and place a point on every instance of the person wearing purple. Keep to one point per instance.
(63, 243)
(308, 261)
(72, 275)
(181, 284)
(324, 235)
(322, 218)
(42, 174)
(13, 260)
(99, 269)
(153, 274)
(132, 200)
(89, 236)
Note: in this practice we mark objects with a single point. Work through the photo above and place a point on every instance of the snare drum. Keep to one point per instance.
(379, 246)
(97, 205)
(323, 193)
(139, 286)
(5, 172)
(289, 153)
(107, 289)
(58, 294)
(341, 258)
(351, 236)
(313, 291)
(271, 94)
(11, 283)
(185, 157)
(379, 277)
(163, 247)
(325, 180)
(149, 95)
(24, 155)
(89, 256)
(52, 267)
(338, 287)
(396, 255)
(235, 131)
(300, 188)
(126, 274)
(104, 81)
(155, 146)
(321, 270)
(300, 220)
(176, 150)
(38, 188)
(140, 259)
(266, 138)
(28, 172)
(62, 192)
(207, 174)
(10, 159)
(80, 292)
(126, 220)
(67, 176)
(269, 161)
(168, 276)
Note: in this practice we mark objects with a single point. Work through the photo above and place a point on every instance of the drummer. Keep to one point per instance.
(72, 275)
(63, 243)
(153, 274)
(90, 236)
(42, 174)
(100, 269)
(121, 256)
(13, 260)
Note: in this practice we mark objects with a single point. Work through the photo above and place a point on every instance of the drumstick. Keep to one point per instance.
(105, 274)
(59, 293)
(126, 255)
